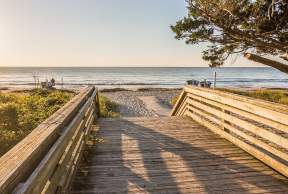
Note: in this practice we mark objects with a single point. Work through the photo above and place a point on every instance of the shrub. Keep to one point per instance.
(174, 100)
(5, 98)
(9, 116)
(21, 112)
(108, 108)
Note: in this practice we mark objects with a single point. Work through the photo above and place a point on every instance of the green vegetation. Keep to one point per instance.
(157, 89)
(108, 108)
(21, 112)
(114, 90)
(237, 26)
(273, 95)
(174, 100)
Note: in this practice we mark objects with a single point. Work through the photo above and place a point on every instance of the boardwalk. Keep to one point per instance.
(170, 155)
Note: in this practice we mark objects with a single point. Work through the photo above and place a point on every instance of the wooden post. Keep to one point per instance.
(97, 106)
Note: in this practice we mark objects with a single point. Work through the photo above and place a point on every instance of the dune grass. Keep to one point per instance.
(273, 95)
(21, 112)
(114, 90)
(174, 100)
(108, 108)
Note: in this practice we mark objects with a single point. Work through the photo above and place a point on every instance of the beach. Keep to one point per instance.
(140, 77)
(130, 100)
(160, 83)
(155, 102)
(132, 103)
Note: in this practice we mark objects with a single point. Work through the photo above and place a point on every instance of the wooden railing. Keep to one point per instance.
(258, 127)
(45, 161)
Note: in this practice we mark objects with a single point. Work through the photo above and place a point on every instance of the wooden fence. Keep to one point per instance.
(45, 161)
(257, 126)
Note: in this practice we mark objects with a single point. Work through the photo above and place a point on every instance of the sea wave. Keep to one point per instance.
(166, 77)
(99, 84)
(232, 81)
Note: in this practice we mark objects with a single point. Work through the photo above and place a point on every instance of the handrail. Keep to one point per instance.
(257, 126)
(45, 161)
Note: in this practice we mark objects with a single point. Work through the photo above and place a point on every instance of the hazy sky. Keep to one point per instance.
(94, 33)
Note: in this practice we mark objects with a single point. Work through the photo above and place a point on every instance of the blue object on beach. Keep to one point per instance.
(193, 82)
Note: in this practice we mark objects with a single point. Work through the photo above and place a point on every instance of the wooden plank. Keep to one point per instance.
(61, 177)
(270, 114)
(276, 125)
(16, 164)
(190, 186)
(280, 167)
(261, 132)
(258, 102)
(242, 105)
(178, 103)
(97, 106)
(61, 166)
(141, 157)
(181, 107)
(253, 140)
(77, 154)
(66, 156)
(71, 172)
(38, 178)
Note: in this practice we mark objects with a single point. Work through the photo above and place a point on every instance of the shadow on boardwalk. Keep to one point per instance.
(170, 155)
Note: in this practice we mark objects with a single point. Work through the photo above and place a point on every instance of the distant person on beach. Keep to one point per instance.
(49, 85)
(53, 82)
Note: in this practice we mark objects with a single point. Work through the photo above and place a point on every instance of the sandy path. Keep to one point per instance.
(152, 103)
(134, 103)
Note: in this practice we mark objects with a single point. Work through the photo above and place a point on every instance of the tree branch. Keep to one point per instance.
(275, 64)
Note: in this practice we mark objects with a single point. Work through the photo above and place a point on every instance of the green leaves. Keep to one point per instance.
(22, 112)
(9, 116)
(108, 108)
(235, 26)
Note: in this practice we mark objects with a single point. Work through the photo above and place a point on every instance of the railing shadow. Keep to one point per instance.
(110, 170)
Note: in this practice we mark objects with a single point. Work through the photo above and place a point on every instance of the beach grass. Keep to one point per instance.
(108, 108)
(174, 100)
(273, 95)
(22, 111)
(114, 90)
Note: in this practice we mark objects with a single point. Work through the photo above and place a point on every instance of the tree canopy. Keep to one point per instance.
(236, 26)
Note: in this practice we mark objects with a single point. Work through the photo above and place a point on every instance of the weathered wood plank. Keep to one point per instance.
(262, 144)
(249, 100)
(245, 104)
(179, 103)
(274, 163)
(262, 132)
(148, 156)
(255, 117)
(258, 127)
(33, 160)
(40, 175)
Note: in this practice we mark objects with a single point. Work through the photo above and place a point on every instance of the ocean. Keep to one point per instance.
(167, 77)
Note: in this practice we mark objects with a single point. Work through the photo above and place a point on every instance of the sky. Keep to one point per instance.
(95, 33)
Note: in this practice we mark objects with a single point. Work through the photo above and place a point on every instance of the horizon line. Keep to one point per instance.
(131, 66)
